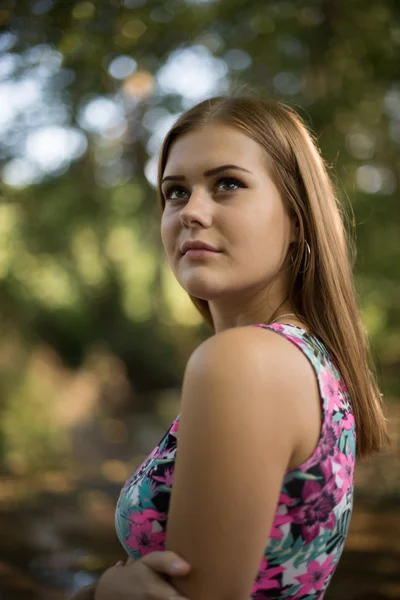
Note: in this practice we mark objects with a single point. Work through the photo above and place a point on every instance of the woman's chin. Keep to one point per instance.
(199, 288)
(200, 293)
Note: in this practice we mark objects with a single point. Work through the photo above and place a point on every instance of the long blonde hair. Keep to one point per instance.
(324, 292)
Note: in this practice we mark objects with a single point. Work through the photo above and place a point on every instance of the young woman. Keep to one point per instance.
(252, 485)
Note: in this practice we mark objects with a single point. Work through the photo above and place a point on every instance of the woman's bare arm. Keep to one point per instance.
(239, 427)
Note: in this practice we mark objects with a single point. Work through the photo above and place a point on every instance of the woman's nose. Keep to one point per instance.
(197, 210)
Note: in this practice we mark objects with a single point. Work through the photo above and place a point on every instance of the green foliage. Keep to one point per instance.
(80, 256)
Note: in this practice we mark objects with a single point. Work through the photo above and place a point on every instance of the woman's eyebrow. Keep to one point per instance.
(206, 173)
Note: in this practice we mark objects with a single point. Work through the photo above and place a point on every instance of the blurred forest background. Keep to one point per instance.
(94, 332)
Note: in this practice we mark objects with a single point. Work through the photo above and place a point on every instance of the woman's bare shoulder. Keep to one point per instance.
(249, 347)
(259, 364)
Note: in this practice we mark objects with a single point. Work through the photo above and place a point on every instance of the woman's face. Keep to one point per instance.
(217, 190)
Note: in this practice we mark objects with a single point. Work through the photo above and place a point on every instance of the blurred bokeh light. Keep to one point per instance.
(95, 331)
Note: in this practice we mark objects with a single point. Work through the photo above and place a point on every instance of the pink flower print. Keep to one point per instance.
(278, 327)
(315, 577)
(316, 511)
(278, 521)
(281, 328)
(143, 539)
(330, 389)
(265, 575)
(337, 431)
(326, 468)
(327, 444)
(346, 472)
(145, 515)
(297, 341)
(175, 426)
(348, 421)
(167, 479)
(286, 499)
(167, 454)
(343, 387)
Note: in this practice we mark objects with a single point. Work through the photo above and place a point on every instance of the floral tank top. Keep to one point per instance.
(314, 508)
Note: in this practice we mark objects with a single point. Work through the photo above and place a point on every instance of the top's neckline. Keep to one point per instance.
(301, 330)
(286, 325)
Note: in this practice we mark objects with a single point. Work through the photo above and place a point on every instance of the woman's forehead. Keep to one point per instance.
(210, 144)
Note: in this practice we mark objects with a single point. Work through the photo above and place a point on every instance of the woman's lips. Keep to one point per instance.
(197, 245)
(199, 253)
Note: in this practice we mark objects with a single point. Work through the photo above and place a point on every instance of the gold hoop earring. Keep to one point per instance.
(307, 257)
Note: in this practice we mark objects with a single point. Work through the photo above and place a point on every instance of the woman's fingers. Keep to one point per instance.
(163, 591)
(166, 562)
(144, 577)
(155, 587)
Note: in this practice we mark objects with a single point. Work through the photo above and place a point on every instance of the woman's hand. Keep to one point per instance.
(142, 579)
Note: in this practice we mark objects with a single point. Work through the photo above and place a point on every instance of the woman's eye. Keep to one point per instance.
(228, 184)
(175, 193)
(225, 184)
